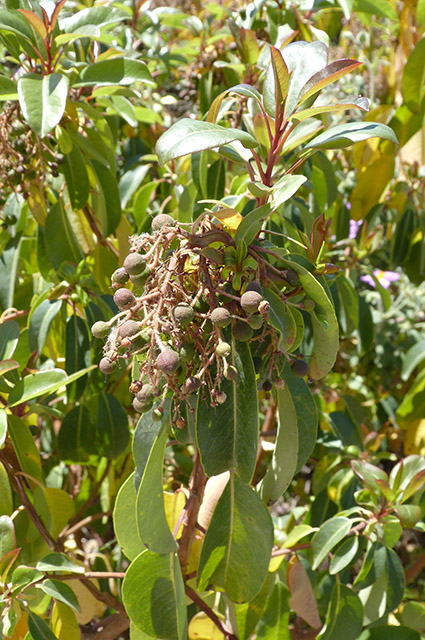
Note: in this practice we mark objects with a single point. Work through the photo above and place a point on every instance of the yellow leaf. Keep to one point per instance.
(302, 599)
(371, 185)
(229, 217)
(21, 627)
(415, 438)
(174, 504)
(202, 628)
(64, 622)
(91, 607)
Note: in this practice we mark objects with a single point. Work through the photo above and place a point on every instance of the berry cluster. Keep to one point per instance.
(181, 307)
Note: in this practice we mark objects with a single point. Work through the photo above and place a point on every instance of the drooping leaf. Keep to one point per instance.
(40, 323)
(144, 437)
(249, 613)
(60, 591)
(231, 559)
(7, 535)
(302, 601)
(112, 426)
(110, 197)
(43, 100)
(283, 464)
(227, 435)
(60, 240)
(344, 135)
(274, 623)
(77, 354)
(344, 618)
(281, 318)
(150, 513)
(37, 384)
(25, 447)
(6, 499)
(188, 136)
(154, 597)
(76, 177)
(125, 522)
(77, 436)
(9, 261)
(38, 628)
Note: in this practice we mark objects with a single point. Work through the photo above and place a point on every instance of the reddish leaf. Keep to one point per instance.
(327, 76)
(36, 23)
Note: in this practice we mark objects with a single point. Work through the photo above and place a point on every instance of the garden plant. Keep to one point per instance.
(212, 360)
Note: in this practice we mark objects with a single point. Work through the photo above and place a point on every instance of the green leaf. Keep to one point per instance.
(251, 224)
(58, 562)
(274, 623)
(3, 426)
(131, 181)
(120, 71)
(25, 448)
(77, 436)
(413, 615)
(61, 243)
(110, 196)
(329, 534)
(188, 136)
(7, 535)
(326, 76)
(125, 521)
(154, 597)
(285, 188)
(8, 89)
(303, 59)
(62, 592)
(249, 613)
(112, 426)
(144, 437)
(283, 464)
(9, 261)
(40, 322)
(227, 435)
(390, 633)
(402, 237)
(245, 90)
(43, 100)
(150, 511)
(344, 618)
(395, 579)
(344, 555)
(347, 7)
(323, 319)
(98, 16)
(409, 514)
(77, 354)
(39, 629)
(37, 384)
(354, 102)
(281, 318)
(276, 83)
(76, 177)
(6, 498)
(11, 20)
(9, 336)
(368, 473)
(237, 547)
(412, 358)
(378, 8)
(307, 415)
(344, 135)
(24, 576)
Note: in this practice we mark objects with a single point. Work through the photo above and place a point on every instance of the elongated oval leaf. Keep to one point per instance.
(154, 597)
(188, 136)
(344, 555)
(329, 534)
(327, 76)
(58, 562)
(125, 522)
(227, 435)
(60, 591)
(276, 83)
(121, 71)
(281, 318)
(40, 323)
(7, 535)
(25, 447)
(240, 89)
(37, 384)
(39, 629)
(112, 426)
(9, 336)
(413, 81)
(151, 521)
(344, 135)
(251, 224)
(274, 622)
(356, 102)
(344, 618)
(233, 559)
(43, 100)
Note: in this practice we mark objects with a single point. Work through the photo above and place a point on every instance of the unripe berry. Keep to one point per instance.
(100, 329)
(221, 397)
(134, 264)
(192, 384)
(267, 385)
(230, 373)
(139, 281)
(161, 220)
(120, 276)
(308, 304)
(141, 407)
(242, 331)
(183, 313)
(223, 349)
(168, 361)
(128, 328)
(292, 278)
(253, 286)
(145, 394)
(250, 301)
(107, 366)
(256, 321)
(220, 317)
(124, 299)
(299, 368)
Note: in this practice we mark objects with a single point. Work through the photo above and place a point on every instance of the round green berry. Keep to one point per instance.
(220, 317)
(100, 329)
(242, 331)
(223, 349)
(134, 264)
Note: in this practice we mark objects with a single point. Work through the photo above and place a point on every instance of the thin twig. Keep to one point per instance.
(210, 613)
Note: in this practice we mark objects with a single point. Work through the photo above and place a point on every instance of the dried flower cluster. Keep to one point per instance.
(183, 301)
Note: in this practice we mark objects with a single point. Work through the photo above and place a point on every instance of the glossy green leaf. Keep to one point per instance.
(39, 629)
(329, 534)
(110, 197)
(344, 555)
(347, 7)
(227, 435)
(147, 430)
(276, 83)
(245, 90)
(323, 319)
(131, 181)
(274, 623)
(25, 447)
(282, 467)
(43, 100)
(125, 521)
(344, 135)
(11, 20)
(112, 426)
(348, 310)
(8, 89)
(61, 592)
(150, 512)
(303, 60)
(344, 618)
(281, 318)
(390, 633)
(121, 71)
(326, 76)
(412, 359)
(355, 102)
(77, 436)
(76, 177)
(60, 240)
(24, 576)
(36, 384)
(379, 8)
(40, 323)
(409, 514)
(99, 16)
(395, 578)
(58, 562)
(413, 615)
(9, 336)
(368, 473)
(285, 188)
(9, 261)
(232, 558)
(402, 237)
(154, 596)
(249, 613)
(188, 136)
(251, 224)
(6, 499)
(7, 535)
(77, 354)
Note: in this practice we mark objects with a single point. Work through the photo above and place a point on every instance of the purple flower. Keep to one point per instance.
(354, 228)
(385, 278)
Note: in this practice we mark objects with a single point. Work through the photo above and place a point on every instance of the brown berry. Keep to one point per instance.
(220, 317)
(145, 394)
(299, 368)
(183, 313)
(250, 301)
(192, 384)
(120, 276)
(161, 220)
(168, 361)
(124, 299)
(128, 328)
(134, 264)
(107, 366)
